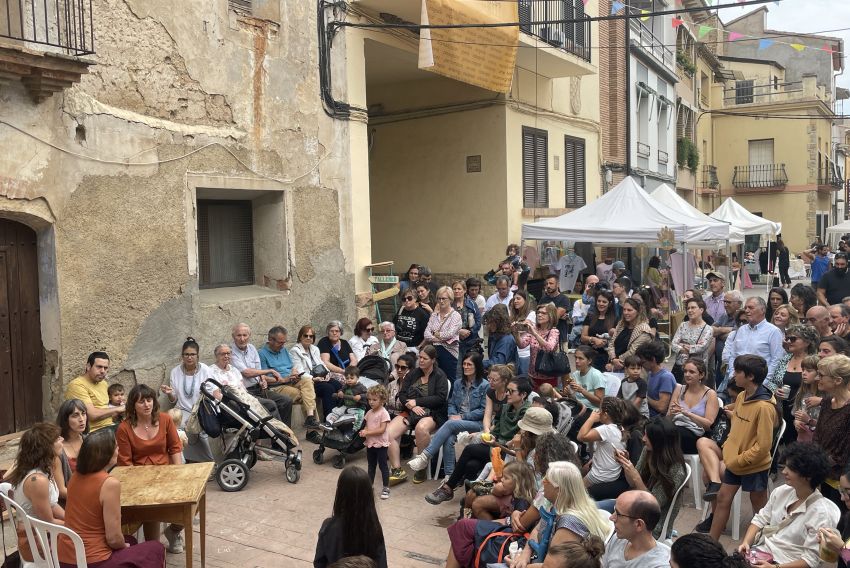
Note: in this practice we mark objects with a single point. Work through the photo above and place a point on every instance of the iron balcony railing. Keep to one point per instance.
(544, 19)
(709, 177)
(643, 150)
(663, 157)
(651, 43)
(759, 176)
(828, 177)
(63, 24)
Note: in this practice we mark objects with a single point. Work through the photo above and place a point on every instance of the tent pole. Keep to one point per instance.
(681, 293)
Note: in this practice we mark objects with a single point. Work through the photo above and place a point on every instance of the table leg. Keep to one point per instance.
(202, 510)
(188, 533)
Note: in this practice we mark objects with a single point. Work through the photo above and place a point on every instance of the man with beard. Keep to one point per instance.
(835, 284)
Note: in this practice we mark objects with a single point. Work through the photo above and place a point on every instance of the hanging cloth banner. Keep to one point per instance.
(798, 46)
(616, 7)
(484, 57)
(677, 22)
(735, 35)
(765, 43)
(704, 30)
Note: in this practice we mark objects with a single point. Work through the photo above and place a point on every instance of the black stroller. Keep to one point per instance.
(240, 428)
(343, 438)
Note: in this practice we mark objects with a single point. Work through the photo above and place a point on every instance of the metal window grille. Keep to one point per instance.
(575, 171)
(240, 5)
(744, 92)
(225, 243)
(535, 167)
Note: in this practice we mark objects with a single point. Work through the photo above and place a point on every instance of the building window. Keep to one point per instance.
(225, 243)
(535, 168)
(243, 6)
(575, 171)
(744, 92)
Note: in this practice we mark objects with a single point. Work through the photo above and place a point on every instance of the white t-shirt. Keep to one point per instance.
(605, 466)
(360, 346)
(187, 388)
(658, 557)
(531, 319)
(495, 299)
(569, 267)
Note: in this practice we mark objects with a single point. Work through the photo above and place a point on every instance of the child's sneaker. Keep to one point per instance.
(385, 493)
(420, 476)
(397, 475)
(175, 540)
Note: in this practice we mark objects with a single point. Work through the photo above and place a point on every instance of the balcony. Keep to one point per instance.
(828, 178)
(760, 177)
(41, 42)
(709, 178)
(542, 27)
(749, 92)
(653, 45)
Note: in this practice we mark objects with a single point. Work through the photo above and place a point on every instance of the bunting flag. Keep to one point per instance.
(765, 43)
(644, 18)
(827, 48)
(616, 7)
(677, 22)
(798, 46)
(735, 35)
(704, 30)
(585, 2)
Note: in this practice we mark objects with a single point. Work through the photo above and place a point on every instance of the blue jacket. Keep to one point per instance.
(501, 350)
(470, 307)
(477, 399)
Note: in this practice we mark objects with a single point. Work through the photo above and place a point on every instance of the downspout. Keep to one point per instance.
(627, 23)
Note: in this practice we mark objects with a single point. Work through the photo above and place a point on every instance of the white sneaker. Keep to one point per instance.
(175, 540)
(420, 462)
(385, 493)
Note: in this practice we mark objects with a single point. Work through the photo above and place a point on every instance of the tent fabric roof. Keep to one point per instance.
(743, 222)
(668, 196)
(840, 228)
(626, 214)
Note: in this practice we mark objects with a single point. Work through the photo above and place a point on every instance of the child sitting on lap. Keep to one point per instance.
(353, 399)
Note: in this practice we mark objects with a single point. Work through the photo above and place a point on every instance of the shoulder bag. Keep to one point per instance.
(552, 363)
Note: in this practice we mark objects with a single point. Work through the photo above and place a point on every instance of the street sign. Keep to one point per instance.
(383, 279)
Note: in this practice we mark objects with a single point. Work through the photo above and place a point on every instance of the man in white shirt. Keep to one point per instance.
(246, 360)
(758, 337)
(503, 294)
(635, 515)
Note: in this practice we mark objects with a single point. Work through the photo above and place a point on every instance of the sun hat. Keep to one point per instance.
(537, 421)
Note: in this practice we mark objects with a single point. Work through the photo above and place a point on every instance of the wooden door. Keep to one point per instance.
(21, 351)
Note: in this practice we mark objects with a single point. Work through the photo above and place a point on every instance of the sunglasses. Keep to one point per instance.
(409, 298)
(309, 336)
(511, 391)
(370, 329)
(790, 338)
(401, 367)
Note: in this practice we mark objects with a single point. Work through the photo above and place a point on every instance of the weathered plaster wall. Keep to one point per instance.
(177, 92)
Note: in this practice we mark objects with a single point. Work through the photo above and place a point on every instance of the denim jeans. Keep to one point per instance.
(522, 365)
(446, 437)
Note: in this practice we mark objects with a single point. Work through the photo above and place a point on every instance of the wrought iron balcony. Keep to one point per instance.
(663, 157)
(644, 37)
(764, 176)
(709, 178)
(63, 24)
(544, 19)
(828, 177)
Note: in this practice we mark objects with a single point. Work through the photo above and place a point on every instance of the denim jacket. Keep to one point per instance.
(469, 307)
(501, 349)
(477, 399)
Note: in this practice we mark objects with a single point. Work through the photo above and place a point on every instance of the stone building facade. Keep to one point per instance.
(179, 179)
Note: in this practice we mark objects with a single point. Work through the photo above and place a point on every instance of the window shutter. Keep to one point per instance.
(535, 168)
(579, 25)
(575, 171)
(240, 5)
(225, 243)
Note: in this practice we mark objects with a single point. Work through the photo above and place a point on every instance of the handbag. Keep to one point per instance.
(208, 418)
(552, 363)
(193, 425)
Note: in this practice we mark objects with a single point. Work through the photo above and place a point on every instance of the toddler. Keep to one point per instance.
(353, 399)
(116, 398)
(633, 388)
(515, 491)
(376, 436)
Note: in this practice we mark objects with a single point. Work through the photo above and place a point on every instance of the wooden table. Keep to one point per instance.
(166, 493)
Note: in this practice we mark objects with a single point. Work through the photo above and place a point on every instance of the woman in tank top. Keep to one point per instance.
(693, 406)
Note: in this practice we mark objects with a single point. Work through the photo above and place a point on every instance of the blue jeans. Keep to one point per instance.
(522, 364)
(606, 505)
(446, 437)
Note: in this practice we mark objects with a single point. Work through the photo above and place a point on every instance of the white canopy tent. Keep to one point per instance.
(625, 215)
(668, 196)
(839, 229)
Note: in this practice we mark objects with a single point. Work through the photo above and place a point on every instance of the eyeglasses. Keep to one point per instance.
(401, 367)
(444, 299)
(728, 301)
(305, 336)
(619, 514)
(370, 329)
(790, 338)
(511, 391)
(409, 298)
(190, 354)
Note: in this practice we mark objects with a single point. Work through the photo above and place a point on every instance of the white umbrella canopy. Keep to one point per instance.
(743, 222)
(626, 214)
(840, 228)
(668, 196)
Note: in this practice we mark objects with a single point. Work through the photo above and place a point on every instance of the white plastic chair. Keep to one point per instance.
(612, 383)
(696, 481)
(17, 516)
(48, 535)
(735, 514)
(664, 538)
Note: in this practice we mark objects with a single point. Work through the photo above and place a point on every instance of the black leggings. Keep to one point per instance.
(378, 457)
(609, 489)
(469, 464)
(783, 274)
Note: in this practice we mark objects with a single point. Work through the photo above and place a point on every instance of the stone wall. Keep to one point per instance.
(179, 101)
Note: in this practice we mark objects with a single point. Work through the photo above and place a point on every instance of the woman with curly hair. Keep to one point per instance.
(501, 345)
(631, 332)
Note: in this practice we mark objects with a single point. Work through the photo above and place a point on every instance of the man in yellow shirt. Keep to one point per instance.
(91, 388)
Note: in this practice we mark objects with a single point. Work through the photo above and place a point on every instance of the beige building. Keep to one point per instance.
(454, 168)
(163, 173)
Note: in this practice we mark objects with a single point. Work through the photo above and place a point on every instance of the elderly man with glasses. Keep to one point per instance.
(757, 337)
(246, 360)
(723, 326)
(292, 383)
(635, 515)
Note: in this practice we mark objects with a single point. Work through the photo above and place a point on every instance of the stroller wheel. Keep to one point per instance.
(318, 457)
(232, 475)
(293, 474)
(339, 461)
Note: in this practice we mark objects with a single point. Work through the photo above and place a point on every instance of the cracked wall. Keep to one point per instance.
(180, 94)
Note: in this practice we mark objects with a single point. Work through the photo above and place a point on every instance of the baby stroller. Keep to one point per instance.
(240, 428)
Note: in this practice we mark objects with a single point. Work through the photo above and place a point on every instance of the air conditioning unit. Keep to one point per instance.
(553, 36)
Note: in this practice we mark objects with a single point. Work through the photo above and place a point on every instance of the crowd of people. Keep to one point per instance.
(555, 465)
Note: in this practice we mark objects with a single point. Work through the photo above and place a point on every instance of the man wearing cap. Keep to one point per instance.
(714, 302)
(620, 271)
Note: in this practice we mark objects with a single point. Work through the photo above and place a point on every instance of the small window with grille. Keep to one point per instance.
(243, 6)
(225, 243)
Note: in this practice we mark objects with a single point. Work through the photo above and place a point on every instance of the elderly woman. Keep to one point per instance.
(93, 511)
(785, 531)
(443, 332)
(388, 346)
(362, 340)
(336, 352)
(693, 338)
(306, 357)
(834, 420)
(539, 337)
(785, 315)
(501, 345)
(800, 342)
(632, 332)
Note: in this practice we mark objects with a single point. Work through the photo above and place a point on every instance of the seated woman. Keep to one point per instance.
(785, 316)
(388, 345)
(598, 327)
(425, 297)
(33, 480)
(362, 339)
(660, 468)
(701, 550)
(184, 391)
(693, 406)
(631, 332)
(501, 345)
(336, 352)
(576, 516)
(94, 512)
(475, 456)
(785, 531)
(306, 357)
(838, 539)
(149, 437)
(466, 412)
(73, 423)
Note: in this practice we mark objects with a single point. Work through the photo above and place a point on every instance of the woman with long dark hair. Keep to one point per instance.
(184, 391)
(697, 549)
(660, 468)
(73, 423)
(522, 315)
(775, 298)
(362, 338)
(802, 298)
(354, 528)
(599, 326)
(631, 332)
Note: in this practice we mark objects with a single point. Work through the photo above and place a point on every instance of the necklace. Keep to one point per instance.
(191, 387)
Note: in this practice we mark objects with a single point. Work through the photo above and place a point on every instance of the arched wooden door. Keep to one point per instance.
(21, 351)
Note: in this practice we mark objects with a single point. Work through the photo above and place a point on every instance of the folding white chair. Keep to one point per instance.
(664, 536)
(17, 516)
(696, 481)
(612, 383)
(48, 536)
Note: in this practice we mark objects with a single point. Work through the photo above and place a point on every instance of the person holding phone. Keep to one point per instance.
(292, 381)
